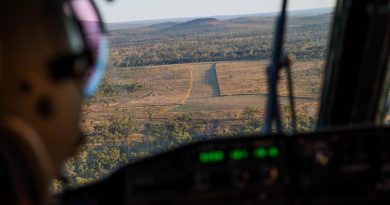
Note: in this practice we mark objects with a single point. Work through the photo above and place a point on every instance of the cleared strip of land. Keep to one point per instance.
(219, 90)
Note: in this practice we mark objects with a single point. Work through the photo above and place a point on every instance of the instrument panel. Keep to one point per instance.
(331, 167)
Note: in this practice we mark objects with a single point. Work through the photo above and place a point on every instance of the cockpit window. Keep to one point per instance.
(185, 71)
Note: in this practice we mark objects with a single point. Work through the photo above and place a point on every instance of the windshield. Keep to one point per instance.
(184, 71)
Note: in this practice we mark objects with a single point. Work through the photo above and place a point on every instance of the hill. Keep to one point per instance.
(201, 22)
(164, 25)
(202, 25)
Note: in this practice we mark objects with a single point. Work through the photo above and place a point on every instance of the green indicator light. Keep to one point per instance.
(203, 157)
(212, 156)
(260, 153)
(273, 152)
(238, 154)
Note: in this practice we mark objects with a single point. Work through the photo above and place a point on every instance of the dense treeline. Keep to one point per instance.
(214, 40)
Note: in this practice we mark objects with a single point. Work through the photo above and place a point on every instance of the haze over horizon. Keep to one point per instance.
(126, 11)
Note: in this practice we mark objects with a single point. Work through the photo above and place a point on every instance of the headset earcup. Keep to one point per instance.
(26, 161)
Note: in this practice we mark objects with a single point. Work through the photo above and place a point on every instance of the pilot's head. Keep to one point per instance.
(52, 57)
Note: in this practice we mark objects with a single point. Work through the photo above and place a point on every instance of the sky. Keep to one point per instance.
(131, 10)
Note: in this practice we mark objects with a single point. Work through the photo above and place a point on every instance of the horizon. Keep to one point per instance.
(215, 16)
(125, 12)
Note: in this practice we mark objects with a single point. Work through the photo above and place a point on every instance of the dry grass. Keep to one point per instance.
(249, 78)
(165, 84)
(242, 77)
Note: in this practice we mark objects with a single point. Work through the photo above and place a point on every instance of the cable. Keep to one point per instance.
(290, 85)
